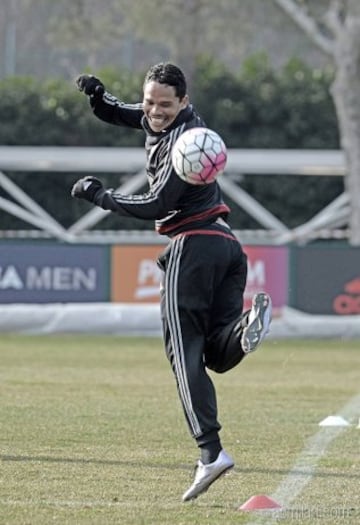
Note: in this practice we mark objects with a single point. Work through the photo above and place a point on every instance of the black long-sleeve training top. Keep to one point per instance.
(175, 205)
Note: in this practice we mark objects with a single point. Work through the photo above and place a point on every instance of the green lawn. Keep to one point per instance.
(92, 433)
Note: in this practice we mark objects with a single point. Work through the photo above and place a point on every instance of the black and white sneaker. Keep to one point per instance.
(258, 322)
(205, 475)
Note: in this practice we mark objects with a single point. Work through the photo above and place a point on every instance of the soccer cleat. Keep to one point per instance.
(205, 475)
(258, 322)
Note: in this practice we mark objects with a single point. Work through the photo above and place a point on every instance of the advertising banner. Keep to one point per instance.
(136, 276)
(326, 280)
(267, 271)
(52, 273)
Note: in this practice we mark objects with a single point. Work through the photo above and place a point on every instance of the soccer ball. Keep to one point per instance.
(199, 156)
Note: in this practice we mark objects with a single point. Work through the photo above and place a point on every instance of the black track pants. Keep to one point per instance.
(201, 302)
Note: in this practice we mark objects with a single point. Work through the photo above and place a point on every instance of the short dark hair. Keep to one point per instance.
(166, 73)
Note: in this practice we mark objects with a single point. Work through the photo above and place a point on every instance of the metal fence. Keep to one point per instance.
(330, 222)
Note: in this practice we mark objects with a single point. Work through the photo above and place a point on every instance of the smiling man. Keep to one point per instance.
(204, 266)
(160, 106)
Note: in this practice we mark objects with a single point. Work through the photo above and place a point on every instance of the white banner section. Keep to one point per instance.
(144, 320)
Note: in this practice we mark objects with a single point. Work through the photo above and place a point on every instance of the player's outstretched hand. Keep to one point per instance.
(87, 188)
(90, 85)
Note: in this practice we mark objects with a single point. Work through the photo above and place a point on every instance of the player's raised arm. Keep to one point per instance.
(107, 107)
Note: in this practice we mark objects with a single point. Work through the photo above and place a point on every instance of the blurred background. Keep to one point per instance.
(254, 76)
(45, 39)
(264, 74)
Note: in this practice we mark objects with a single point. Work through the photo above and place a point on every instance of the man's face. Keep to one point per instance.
(161, 105)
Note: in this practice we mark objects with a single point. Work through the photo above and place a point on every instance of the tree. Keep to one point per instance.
(84, 26)
(334, 26)
(186, 29)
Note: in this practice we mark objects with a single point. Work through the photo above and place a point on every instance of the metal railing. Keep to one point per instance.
(330, 222)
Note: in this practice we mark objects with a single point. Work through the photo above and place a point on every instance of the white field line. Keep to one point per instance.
(304, 468)
(288, 490)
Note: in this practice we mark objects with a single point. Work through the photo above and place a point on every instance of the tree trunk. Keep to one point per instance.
(346, 95)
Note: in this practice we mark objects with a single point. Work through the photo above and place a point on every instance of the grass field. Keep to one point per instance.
(92, 433)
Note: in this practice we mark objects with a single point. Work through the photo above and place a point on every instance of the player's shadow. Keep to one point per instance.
(149, 464)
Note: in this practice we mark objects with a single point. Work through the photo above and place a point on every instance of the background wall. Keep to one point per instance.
(321, 279)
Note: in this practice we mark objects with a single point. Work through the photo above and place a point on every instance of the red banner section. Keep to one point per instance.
(136, 278)
(267, 271)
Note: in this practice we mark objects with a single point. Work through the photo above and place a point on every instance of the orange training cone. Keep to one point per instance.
(259, 502)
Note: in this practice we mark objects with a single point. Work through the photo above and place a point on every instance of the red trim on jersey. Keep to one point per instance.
(217, 210)
(205, 232)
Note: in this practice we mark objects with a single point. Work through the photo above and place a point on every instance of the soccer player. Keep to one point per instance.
(204, 266)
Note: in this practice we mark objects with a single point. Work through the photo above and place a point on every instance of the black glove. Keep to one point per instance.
(87, 188)
(90, 85)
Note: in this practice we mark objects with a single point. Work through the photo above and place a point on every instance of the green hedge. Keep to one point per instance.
(255, 107)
